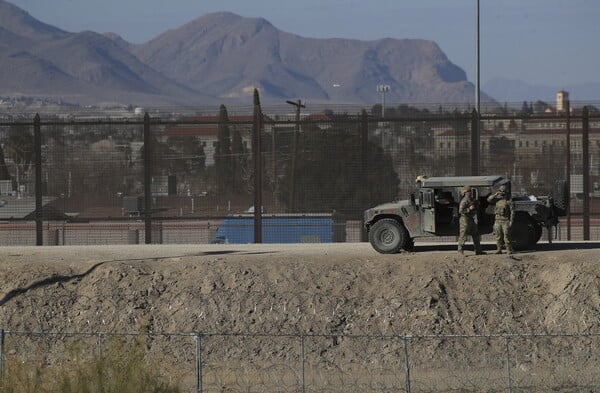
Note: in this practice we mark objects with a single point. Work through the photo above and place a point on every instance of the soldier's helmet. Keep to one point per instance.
(464, 190)
(503, 189)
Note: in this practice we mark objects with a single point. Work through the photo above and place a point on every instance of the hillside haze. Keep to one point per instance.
(219, 57)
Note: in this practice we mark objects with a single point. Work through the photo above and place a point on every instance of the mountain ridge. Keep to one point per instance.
(267, 57)
(219, 58)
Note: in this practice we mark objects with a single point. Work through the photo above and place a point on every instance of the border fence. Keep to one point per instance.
(277, 174)
(203, 362)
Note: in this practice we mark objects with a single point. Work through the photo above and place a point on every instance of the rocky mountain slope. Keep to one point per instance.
(224, 54)
(219, 57)
(86, 68)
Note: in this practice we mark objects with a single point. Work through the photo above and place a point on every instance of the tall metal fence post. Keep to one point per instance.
(1, 357)
(508, 364)
(299, 105)
(147, 179)
(198, 338)
(585, 145)
(302, 361)
(99, 344)
(257, 150)
(568, 171)
(406, 339)
(364, 163)
(475, 124)
(37, 139)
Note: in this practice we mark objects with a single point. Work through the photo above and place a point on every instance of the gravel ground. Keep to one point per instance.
(346, 292)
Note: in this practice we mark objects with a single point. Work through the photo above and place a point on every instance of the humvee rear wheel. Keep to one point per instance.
(388, 236)
(523, 234)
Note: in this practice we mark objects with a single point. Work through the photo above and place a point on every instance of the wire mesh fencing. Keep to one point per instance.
(168, 176)
(202, 362)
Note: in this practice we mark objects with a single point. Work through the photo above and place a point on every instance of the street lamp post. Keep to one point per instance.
(383, 89)
(336, 90)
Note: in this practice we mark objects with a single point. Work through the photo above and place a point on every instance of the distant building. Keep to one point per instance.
(207, 131)
(562, 99)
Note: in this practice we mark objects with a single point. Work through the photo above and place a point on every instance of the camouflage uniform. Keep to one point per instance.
(468, 226)
(504, 216)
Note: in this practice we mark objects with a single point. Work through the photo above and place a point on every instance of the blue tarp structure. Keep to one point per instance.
(310, 228)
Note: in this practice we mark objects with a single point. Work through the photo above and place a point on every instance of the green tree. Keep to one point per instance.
(223, 157)
(526, 109)
(239, 162)
(3, 169)
(20, 147)
(540, 106)
(336, 171)
(193, 158)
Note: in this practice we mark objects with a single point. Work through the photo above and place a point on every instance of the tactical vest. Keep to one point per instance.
(502, 210)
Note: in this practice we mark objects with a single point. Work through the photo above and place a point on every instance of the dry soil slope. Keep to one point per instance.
(330, 288)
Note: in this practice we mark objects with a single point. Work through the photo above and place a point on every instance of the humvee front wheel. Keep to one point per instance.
(388, 236)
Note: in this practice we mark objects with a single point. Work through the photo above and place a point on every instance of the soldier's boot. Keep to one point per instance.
(478, 250)
(498, 249)
(461, 252)
(509, 250)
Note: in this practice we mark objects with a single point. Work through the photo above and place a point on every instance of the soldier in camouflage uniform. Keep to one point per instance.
(468, 208)
(504, 216)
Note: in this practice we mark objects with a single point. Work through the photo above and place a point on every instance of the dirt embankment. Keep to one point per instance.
(328, 288)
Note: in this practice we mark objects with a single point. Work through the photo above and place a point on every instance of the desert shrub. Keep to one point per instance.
(120, 368)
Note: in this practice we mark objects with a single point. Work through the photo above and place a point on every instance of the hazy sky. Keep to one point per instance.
(548, 42)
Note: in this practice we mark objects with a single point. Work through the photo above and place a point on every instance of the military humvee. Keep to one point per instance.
(432, 210)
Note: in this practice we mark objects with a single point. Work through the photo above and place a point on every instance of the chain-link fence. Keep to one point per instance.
(201, 362)
(198, 176)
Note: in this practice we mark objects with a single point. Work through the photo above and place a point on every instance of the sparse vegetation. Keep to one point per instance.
(119, 369)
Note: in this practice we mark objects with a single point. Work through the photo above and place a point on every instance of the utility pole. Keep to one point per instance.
(298, 104)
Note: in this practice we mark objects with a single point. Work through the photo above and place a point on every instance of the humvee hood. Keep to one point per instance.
(385, 208)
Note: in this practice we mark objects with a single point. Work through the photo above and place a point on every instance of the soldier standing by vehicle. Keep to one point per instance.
(504, 217)
(468, 209)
